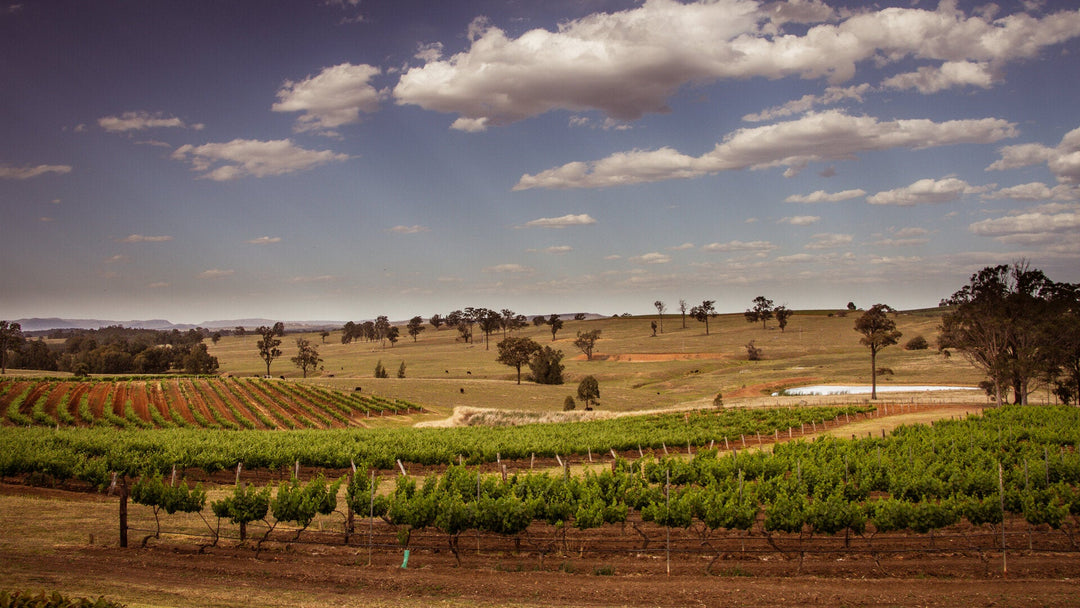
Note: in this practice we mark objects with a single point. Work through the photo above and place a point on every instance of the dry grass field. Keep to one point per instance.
(636, 371)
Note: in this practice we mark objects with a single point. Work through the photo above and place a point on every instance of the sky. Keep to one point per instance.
(337, 160)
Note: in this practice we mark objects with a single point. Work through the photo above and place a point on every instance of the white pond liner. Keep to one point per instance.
(864, 389)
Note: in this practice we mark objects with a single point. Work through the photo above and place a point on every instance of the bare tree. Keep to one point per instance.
(682, 309)
(660, 308)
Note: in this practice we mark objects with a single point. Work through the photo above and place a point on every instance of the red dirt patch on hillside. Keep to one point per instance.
(651, 357)
(757, 390)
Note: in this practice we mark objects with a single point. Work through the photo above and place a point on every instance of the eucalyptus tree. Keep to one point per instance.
(879, 331)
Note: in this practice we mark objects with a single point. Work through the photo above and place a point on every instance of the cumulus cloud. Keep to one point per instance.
(833, 95)
(831, 135)
(758, 246)
(926, 191)
(248, 157)
(139, 238)
(1063, 160)
(508, 269)
(654, 257)
(800, 220)
(932, 79)
(561, 222)
(1036, 191)
(829, 240)
(30, 172)
(332, 98)
(1043, 224)
(683, 247)
(215, 273)
(415, 229)
(322, 278)
(140, 121)
(631, 62)
(264, 240)
(820, 196)
(557, 249)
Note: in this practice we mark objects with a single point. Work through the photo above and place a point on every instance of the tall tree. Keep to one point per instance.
(199, 361)
(683, 309)
(268, 346)
(555, 323)
(762, 311)
(279, 329)
(586, 341)
(660, 308)
(588, 390)
(516, 352)
(324, 335)
(415, 326)
(538, 320)
(490, 321)
(11, 338)
(997, 323)
(240, 331)
(546, 366)
(215, 337)
(307, 356)
(879, 331)
(703, 313)
(782, 313)
(436, 321)
(382, 329)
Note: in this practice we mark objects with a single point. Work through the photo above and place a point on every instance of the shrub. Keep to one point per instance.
(753, 353)
(718, 401)
(917, 343)
(569, 404)
(380, 370)
(546, 365)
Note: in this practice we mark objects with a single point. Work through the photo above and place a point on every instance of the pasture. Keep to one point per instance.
(636, 371)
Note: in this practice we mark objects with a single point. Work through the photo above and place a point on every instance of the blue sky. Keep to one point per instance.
(339, 160)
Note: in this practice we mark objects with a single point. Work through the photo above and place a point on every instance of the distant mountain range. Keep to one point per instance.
(46, 324)
(39, 324)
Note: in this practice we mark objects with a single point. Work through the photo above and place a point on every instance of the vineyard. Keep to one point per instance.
(188, 402)
(1007, 480)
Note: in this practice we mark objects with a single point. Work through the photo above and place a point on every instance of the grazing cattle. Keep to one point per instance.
(329, 375)
(470, 373)
(282, 377)
(462, 390)
(446, 370)
(357, 390)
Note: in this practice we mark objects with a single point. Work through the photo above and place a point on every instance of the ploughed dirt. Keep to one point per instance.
(652, 357)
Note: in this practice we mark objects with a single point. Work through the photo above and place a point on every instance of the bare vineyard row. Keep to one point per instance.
(188, 402)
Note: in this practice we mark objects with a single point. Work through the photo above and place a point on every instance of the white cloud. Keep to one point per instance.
(683, 247)
(831, 135)
(1043, 224)
(1036, 191)
(558, 249)
(1063, 160)
(833, 95)
(800, 220)
(429, 52)
(116, 258)
(631, 62)
(739, 246)
(158, 285)
(139, 238)
(332, 98)
(29, 172)
(820, 196)
(926, 191)
(508, 269)
(798, 258)
(415, 229)
(561, 222)
(248, 157)
(215, 273)
(654, 257)
(140, 121)
(264, 240)
(932, 79)
(829, 240)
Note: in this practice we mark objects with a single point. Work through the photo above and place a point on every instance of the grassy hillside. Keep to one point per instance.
(635, 370)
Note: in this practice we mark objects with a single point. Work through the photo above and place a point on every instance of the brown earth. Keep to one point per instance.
(652, 357)
(45, 546)
(140, 400)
